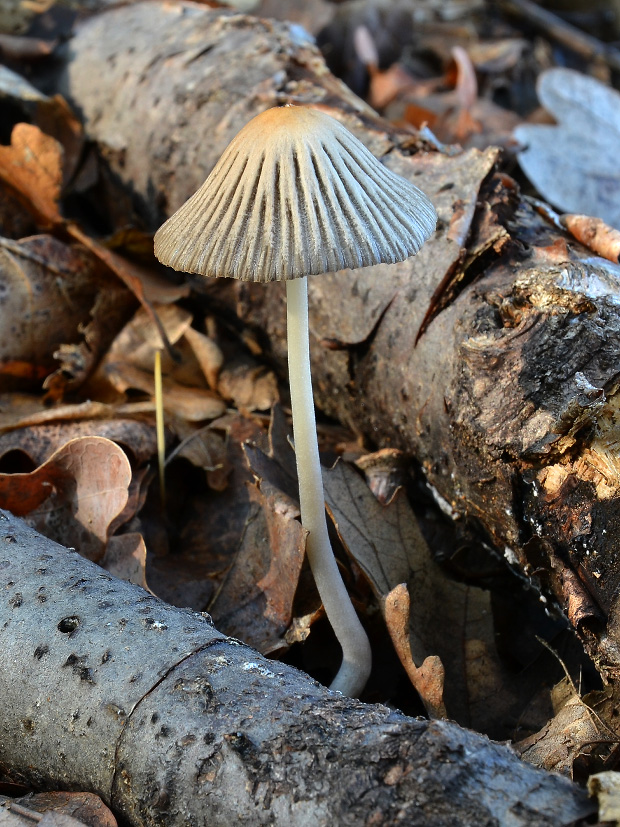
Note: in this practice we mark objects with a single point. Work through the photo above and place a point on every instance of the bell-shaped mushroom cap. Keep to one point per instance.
(295, 194)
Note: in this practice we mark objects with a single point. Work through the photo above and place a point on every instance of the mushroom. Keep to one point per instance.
(296, 194)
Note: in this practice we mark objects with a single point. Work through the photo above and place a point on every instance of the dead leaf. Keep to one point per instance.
(209, 356)
(206, 448)
(158, 289)
(466, 93)
(135, 277)
(138, 341)
(130, 360)
(52, 115)
(19, 410)
(429, 677)
(212, 527)
(113, 304)
(574, 164)
(386, 84)
(47, 290)
(16, 221)
(38, 442)
(594, 234)
(381, 539)
(55, 118)
(574, 731)
(385, 471)
(32, 166)
(497, 55)
(192, 404)
(256, 600)
(74, 496)
(250, 385)
(88, 808)
(300, 627)
(125, 558)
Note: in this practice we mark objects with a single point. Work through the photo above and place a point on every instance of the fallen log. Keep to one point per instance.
(107, 688)
(492, 357)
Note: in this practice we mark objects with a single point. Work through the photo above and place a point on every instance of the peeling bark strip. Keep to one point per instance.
(509, 399)
(107, 689)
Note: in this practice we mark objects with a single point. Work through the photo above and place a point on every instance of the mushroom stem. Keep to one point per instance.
(356, 656)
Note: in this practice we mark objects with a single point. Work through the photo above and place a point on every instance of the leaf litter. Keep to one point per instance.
(228, 536)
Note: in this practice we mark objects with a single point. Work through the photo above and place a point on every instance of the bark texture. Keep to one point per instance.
(508, 399)
(109, 689)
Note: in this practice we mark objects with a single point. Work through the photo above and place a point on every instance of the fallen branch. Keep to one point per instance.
(108, 689)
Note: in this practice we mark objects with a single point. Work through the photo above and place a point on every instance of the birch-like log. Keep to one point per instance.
(106, 688)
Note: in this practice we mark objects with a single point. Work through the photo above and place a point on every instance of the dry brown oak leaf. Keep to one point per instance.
(75, 495)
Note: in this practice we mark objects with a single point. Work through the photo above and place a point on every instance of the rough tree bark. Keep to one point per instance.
(109, 689)
(508, 398)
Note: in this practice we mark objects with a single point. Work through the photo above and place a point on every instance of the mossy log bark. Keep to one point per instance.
(108, 689)
(508, 398)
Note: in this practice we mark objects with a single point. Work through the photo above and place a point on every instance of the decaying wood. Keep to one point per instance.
(109, 689)
(492, 356)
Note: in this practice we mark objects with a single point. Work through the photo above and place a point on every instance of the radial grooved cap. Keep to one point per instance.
(295, 194)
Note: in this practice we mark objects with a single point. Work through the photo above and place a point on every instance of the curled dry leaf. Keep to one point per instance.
(385, 471)
(54, 117)
(112, 305)
(207, 352)
(249, 385)
(39, 442)
(595, 234)
(74, 496)
(88, 808)
(428, 678)
(575, 731)
(20, 410)
(383, 542)
(51, 115)
(129, 363)
(574, 164)
(192, 404)
(255, 602)
(466, 94)
(32, 166)
(137, 278)
(206, 449)
(139, 339)
(381, 539)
